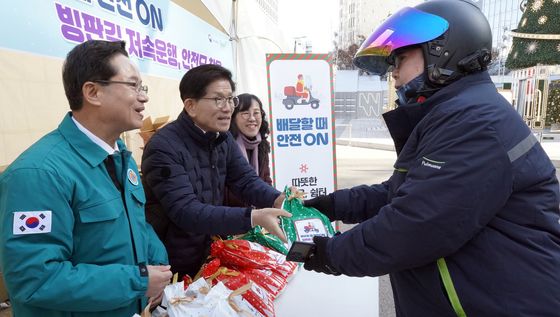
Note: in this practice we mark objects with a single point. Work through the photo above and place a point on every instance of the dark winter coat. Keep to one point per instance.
(185, 171)
(471, 187)
(264, 173)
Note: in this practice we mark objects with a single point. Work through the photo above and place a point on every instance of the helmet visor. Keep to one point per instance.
(406, 27)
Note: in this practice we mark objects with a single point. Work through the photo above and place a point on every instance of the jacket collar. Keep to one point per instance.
(457, 87)
(189, 129)
(402, 120)
(84, 146)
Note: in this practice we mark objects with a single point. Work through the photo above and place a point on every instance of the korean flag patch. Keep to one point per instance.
(31, 222)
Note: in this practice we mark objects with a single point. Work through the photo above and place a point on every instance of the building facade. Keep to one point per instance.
(358, 18)
(503, 16)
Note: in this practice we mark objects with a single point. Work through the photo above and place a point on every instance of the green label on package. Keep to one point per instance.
(305, 223)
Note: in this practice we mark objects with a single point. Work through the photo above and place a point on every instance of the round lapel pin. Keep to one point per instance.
(132, 177)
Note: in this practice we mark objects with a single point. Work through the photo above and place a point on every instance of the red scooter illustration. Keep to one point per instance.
(293, 99)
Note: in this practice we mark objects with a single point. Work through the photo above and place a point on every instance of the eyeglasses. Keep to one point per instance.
(137, 86)
(221, 102)
(246, 114)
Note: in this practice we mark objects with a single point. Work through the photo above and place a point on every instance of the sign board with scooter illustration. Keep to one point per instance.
(301, 100)
(303, 155)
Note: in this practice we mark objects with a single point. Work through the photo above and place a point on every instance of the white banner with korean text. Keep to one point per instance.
(164, 38)
(300, 90)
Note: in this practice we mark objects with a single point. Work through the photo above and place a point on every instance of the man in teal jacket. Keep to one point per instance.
(73, 237)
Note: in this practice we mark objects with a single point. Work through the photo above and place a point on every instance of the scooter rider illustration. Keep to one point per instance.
(301, 90)
(299, 95)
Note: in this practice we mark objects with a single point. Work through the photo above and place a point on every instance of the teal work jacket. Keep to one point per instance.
(68, 244)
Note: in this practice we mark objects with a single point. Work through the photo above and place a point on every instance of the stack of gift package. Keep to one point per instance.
(244, 275)
(242, 278)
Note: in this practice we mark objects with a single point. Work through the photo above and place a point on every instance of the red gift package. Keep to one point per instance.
(256, 296)
(242, 253)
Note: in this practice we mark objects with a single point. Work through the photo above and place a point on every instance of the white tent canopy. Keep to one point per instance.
(255, 35)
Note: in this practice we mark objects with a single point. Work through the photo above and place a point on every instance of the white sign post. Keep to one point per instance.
(301, 95)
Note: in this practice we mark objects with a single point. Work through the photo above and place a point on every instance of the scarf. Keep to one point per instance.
(245, 144)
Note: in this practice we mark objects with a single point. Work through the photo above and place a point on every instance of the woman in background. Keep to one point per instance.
(250, 130)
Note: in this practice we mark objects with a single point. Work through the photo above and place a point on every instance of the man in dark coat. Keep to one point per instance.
(186, 165)
(468, 225)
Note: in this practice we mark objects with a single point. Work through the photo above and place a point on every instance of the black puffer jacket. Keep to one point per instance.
(471, 207)
(184, 172)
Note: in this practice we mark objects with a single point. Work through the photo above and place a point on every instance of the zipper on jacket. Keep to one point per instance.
(123, 191)
(214, 174)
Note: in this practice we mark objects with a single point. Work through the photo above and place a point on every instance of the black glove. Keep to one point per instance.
(318, 260)
(324, 204)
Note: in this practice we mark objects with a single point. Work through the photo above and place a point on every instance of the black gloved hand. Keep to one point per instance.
(318, 260)
(324, 204)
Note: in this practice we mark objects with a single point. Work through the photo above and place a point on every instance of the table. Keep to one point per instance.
(315, 294)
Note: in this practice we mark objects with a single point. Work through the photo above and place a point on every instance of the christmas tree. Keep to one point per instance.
(553, 110)
(537, 38)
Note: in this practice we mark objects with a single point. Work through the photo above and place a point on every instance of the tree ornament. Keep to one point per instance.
(532, 47)
(537, 5)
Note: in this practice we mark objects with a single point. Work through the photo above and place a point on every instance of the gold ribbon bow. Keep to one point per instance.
(239, 291)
